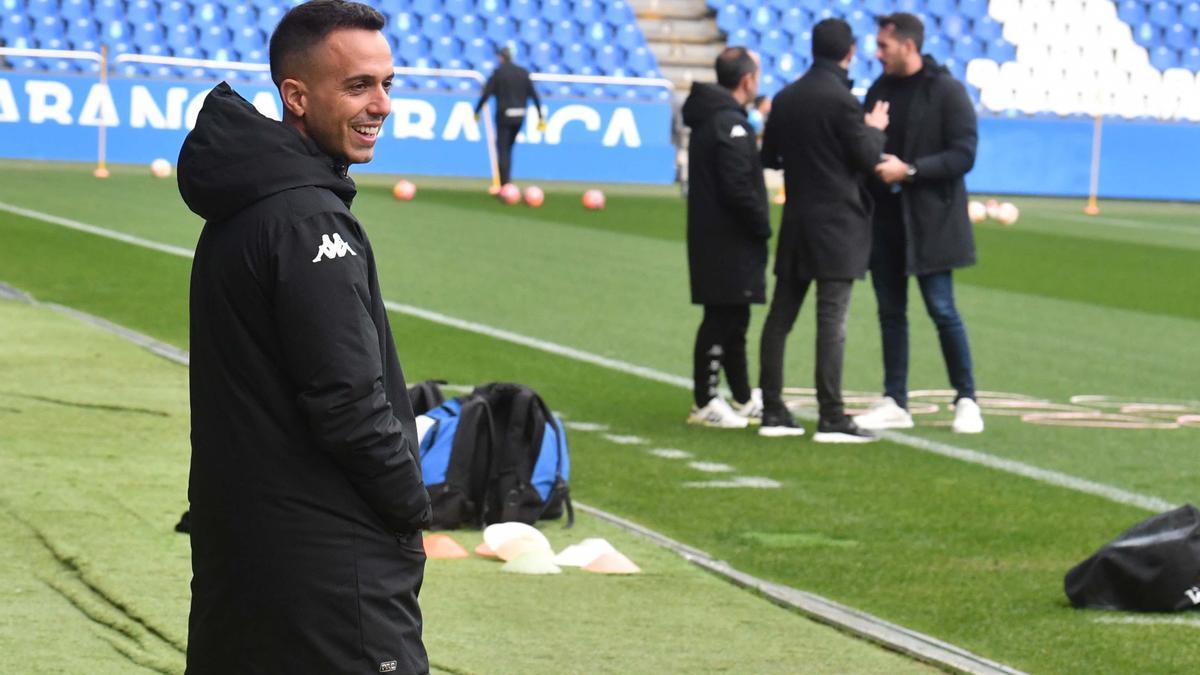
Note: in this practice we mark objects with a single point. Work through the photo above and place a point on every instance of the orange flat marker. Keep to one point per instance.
(440, 546)
(485, 551)
(612, 563)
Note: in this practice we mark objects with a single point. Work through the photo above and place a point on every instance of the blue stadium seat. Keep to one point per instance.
(268, 18)
(522, 9)
(468, 27)
(1146, 33)
(248, 38)
(147, 34)
(967, 48)
(1132, 12)
(1163, 57)
(141, 11)
(500, 29)
(446, 48)
(39, 8)
(1001, 50)
(607, 58)
(1190, 59)
(401, 24)
(1180, 36)
(575, 56)
(597, 34)
(1163, 13)
(208, 14)
(81, 30)
(555, 10)
(491, 8)
(941, 8)
(1190, 16)
(70, 10)
(116, 31)
(730, 17)
(188, 52)
(973, 9)
(181, 35)
(435, 25)
(793, 20)
(255, 56)
(424, 7)
(543, 55)
(955, 26)
(878, 7)
(214, 37)
(619, 12)
(49, 28)
(565, 31)
(586, 11)
(413, 46)
(763, 19)
(773, 41)
(986, 29)
(175, 12)
(937, 47)
(640, 60)
(629, 36)
(458, 8)
(241, 16)
(788, 67)
(534, 30)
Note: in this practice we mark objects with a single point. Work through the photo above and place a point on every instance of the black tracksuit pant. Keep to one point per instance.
(506, 136)
(721, 344)
(833, 303)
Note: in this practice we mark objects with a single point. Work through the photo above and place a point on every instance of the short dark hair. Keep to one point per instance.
(307, 24)
(504, 54)
(906, 26)
(832, 39)
(732, 65)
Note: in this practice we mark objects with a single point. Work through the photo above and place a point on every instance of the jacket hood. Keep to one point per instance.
(235, 157)
(932, 68)
(705, 101)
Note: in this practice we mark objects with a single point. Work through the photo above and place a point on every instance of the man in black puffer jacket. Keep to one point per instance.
(728, 226)
(306, 493)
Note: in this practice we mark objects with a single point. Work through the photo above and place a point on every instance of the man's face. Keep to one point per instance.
(892, 51)
(348, 79)
(752, 82)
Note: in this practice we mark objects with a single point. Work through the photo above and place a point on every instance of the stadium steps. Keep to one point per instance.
(685, 54)
(670, 9)
(696, 31)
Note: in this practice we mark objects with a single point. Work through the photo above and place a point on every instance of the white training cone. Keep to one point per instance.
(532, 562)
(583, 553)
(495, 535)
(612, 563)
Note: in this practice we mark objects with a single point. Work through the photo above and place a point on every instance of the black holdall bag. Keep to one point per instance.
(1152, 567)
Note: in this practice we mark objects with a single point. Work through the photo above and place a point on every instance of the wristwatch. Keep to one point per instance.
(910, 174)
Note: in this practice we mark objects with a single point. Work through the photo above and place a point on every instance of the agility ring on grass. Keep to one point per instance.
(1089, 411)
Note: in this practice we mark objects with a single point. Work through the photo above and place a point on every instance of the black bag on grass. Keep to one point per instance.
(530, 464)
(456, 454)
(426, 396)
(1152, 567)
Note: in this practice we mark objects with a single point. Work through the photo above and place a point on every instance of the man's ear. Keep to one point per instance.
(295, 97)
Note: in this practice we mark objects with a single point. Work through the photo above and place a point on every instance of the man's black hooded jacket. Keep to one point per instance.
(305, 487)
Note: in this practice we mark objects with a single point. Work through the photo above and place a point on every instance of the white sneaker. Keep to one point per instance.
(884, 414)
(752, 409)
(717, 413)
(967, 417)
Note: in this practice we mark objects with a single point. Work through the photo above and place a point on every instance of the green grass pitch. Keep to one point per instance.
(1059, 306)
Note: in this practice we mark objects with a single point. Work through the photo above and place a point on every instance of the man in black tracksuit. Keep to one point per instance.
(511, 86)
(817, 134)
(921, 225)
(728, 226)
(306, 493)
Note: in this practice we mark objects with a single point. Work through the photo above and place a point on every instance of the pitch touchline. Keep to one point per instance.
(1055, 478)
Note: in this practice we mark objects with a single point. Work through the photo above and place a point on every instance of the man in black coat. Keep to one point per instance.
(921, 224)
(511, 86)
(818, 135)
(728, 225)
(306, 493)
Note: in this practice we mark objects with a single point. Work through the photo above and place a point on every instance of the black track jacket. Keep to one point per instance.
(817, 135)
(512, 87)
(728, 223)
(305, 488)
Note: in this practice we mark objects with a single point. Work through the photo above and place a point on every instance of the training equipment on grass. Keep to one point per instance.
(534, 196)
(992, 208)
(440, 546)
(510, 194)
(160, 168)
(537, 561)
(519, 546)
(976, 211)
(499, 534)
(495, 455)
(1152, 567)
(485, 551)
(583, 553)
(1007, 213)
(404, 190)
(612, 562)
(593, 200)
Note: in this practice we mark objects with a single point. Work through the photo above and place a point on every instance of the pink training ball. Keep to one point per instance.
(534, 196)
(593, 200)
(404, 191)
(510, 194)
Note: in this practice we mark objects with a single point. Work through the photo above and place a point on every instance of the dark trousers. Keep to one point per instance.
(891, 292)
(833, 303)
(506, 136)
(721, 345)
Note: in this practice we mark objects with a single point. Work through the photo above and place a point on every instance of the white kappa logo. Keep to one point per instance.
(333, 248)
(738, 131)
(1193, 594)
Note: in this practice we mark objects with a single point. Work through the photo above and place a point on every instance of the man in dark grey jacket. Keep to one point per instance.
(728, 225)
(921, 224)
(512, 87)
(306, 493)
(818, 135)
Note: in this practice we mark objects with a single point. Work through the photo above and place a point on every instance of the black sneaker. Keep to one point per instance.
(777, 423)
(843, 430)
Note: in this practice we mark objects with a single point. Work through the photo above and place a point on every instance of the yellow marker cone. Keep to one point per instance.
(538, 561)
(440, 546)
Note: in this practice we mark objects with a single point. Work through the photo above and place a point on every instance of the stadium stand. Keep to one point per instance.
(554, 37)
(1129, 58)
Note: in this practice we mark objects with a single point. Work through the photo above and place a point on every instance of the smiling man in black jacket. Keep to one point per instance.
(817, 133)
(306, 493)
(728, 226)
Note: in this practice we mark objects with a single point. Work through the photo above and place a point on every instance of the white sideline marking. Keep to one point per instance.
(1055, 478)
(1128, 222)
(1149, 620)
(670, 453)
(711, 467)
(586, 426)
(756, 482)
(626, 440)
